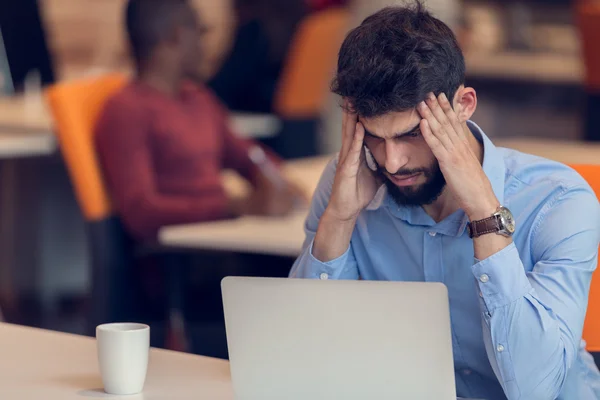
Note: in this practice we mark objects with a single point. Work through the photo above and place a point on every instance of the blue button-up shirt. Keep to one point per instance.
(517, 316)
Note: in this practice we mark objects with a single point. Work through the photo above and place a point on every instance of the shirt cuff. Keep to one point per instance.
(331, 269)
(501, 278)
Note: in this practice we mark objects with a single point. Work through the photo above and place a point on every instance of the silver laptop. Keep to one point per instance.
(298, 339)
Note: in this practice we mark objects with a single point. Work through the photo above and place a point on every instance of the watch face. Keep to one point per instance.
(506, 220)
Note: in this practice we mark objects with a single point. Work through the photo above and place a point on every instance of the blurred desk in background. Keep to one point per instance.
(25, 144)
(25, 115)
(284, 236)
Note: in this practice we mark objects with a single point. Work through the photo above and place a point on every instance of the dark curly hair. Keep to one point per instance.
(395, 58)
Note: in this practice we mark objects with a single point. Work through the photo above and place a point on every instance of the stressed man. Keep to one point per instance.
(418, 192)
(164, 139)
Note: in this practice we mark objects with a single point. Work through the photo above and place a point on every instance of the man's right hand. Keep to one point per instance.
(355, 184)
(354, 187)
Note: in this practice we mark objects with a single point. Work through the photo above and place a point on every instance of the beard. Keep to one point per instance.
(418, 195)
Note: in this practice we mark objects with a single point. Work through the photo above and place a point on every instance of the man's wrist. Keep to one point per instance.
(331, 217)
(485, 210)
(333, 236)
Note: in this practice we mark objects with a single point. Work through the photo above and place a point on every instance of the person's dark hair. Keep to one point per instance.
(395, 58)
(148, 21)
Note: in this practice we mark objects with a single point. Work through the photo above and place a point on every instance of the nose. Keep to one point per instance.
(395, 156)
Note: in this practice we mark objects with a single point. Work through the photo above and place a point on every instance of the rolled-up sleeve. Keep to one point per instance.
(307, 266)
(533, 321)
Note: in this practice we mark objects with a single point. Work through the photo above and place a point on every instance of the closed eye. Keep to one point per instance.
(412, 134)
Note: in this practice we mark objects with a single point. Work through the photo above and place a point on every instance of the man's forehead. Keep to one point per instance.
(392, 124)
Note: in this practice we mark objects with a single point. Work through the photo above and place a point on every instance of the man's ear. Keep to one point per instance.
(465, 103)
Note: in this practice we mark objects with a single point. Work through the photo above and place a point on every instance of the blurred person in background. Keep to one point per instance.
(247, 79)
(164, 139)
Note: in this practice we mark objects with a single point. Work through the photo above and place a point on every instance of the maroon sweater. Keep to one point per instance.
(162, 157)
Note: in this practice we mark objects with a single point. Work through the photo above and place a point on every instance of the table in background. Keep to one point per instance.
(45, 365)
(284, 236)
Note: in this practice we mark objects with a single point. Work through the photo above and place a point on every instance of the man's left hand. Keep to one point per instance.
(447, 138)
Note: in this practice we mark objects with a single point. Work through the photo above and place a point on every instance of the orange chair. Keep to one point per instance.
(76, 107)
(303, 87)
(591, 328)
(310, 65)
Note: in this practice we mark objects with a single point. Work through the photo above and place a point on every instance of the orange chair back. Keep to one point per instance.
(76, 107)
(591, 327)
(587, 15)
(304, 83)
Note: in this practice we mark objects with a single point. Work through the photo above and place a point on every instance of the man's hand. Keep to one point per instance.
(447, 138)
(354, 185)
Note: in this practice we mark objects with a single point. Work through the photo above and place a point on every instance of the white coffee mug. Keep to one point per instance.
(123, 350)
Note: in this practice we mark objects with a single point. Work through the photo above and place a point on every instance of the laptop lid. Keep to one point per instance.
(299, 339)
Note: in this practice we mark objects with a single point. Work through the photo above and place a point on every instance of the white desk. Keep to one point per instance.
(25, 144)
(45, 365)
(284, 236)
(25, 114)
(25, 128)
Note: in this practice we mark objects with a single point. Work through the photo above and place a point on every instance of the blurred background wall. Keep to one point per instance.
(84, 33)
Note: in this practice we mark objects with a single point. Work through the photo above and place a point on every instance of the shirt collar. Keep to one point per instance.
(455, 224)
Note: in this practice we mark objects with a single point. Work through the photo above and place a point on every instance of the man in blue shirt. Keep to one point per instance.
(419, 193)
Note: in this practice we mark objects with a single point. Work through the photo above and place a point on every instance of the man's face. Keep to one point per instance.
(404, 160)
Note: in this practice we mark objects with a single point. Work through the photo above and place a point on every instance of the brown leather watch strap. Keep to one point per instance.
(483, 226)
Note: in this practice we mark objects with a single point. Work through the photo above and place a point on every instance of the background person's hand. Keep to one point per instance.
(271, 199)
(354, 185)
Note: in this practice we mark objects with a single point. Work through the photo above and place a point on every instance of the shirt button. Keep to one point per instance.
(484, 278)
(323, 276)
(480, 294)
(466, 372)
(432, 234)
(500, 348)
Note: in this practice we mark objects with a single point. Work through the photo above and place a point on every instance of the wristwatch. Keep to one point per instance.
(501, 222)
